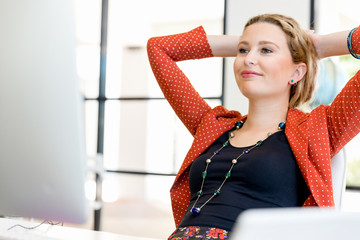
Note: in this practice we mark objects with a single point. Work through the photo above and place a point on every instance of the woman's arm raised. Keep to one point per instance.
(164, 52)
(327, 45)
(333, 44)
(223, 45)
(343, 114)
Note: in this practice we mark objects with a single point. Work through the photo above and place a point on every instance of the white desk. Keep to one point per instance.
(47, 231)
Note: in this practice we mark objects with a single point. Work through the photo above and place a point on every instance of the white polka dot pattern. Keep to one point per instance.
(355, 41)
(313, 137)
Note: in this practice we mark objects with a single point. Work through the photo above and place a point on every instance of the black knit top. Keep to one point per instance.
(267, 177)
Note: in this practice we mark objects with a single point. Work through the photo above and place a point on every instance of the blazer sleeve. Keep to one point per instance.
(343, 115)
(163, 53)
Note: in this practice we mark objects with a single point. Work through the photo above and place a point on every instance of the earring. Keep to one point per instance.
(292, 82)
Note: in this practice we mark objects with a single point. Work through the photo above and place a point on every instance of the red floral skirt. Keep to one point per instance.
(199, 233)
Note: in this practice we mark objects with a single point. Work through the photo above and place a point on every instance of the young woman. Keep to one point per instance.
(239, 162)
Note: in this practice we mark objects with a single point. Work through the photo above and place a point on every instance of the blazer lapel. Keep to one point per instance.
(297, 135)
(317, 178)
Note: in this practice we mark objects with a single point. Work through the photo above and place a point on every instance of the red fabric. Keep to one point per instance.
(313, 137)
(355, 40)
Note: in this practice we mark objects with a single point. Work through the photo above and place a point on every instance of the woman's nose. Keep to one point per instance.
(250, 58)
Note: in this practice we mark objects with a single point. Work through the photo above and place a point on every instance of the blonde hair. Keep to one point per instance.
(302, 50)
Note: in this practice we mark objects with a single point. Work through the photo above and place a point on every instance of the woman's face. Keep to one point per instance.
(263, 67)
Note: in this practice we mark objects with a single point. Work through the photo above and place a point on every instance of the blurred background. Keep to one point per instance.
(130, 127)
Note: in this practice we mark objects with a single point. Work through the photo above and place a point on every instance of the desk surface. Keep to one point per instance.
(46, 231)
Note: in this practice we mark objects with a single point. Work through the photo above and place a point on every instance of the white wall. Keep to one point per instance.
(237, 14)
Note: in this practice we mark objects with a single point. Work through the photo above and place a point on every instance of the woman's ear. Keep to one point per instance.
(299, 73)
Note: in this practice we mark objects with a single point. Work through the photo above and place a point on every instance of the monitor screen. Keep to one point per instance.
(42, 152)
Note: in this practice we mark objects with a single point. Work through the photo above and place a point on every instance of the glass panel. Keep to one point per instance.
(136, 187)
(88, 69)
(145, 136)
(140, 136)
(205, 75)
(88, 21)
(131, 211)
(91, 122)
(128, 71)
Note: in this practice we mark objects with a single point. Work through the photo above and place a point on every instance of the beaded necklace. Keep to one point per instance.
(196, 210)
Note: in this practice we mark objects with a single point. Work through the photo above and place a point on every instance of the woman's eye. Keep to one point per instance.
(242, 50)
(266, 50)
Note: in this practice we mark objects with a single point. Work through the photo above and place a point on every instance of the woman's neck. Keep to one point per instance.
(265, 116)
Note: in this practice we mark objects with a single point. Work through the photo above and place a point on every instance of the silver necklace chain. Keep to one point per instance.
(196, 210)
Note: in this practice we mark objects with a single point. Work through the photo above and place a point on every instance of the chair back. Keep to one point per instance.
(338, 170)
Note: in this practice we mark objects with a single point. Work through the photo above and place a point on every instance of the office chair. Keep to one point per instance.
(338, 169)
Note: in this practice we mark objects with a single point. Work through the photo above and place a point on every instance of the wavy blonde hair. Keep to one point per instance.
(302, 50)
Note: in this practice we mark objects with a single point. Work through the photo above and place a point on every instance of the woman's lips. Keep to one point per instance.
(249, 74)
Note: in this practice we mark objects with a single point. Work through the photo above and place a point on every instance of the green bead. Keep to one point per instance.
(228, 174)
(259, 143)
(239, 124)
(217, 192)
(226, 143)
(204, 173)
(282, 125)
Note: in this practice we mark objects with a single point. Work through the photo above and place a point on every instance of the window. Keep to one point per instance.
(142, 137)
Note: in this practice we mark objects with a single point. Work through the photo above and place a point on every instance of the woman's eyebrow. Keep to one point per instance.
(268, 42)
(263, 42)
(243, 43)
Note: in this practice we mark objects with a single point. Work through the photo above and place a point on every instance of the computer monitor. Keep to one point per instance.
(297, 223)
(42, 152)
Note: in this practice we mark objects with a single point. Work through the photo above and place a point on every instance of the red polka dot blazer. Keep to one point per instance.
(313, 137)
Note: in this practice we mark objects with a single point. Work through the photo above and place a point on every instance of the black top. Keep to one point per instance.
(268, 176)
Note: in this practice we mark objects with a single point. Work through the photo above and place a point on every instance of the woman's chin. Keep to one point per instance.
(251, 91)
